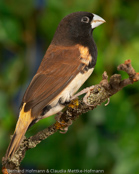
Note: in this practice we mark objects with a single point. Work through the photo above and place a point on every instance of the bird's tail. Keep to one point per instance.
(22, 125)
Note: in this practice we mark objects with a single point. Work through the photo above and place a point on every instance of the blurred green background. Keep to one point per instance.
(106, 138)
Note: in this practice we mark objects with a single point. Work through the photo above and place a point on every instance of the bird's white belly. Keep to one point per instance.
(69, 91)
(76, 83)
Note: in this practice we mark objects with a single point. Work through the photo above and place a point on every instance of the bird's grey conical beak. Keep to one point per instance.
(97, 20)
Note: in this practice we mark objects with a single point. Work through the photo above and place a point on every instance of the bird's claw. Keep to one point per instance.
(63, 130)
(88, 90)
(106, 104)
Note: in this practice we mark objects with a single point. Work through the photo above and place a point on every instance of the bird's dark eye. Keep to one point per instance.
(85, 19)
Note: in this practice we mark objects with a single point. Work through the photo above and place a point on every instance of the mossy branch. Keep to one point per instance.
(101, 92)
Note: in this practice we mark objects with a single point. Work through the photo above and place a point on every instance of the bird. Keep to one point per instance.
(68, 62)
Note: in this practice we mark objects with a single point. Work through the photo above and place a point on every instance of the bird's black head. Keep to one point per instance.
(76, 28)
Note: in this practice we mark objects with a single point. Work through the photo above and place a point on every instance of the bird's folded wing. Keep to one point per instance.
(59, 66)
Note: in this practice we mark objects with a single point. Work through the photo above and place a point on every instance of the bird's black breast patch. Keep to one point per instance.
(92, 63)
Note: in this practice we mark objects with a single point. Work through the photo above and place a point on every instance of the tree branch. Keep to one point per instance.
(98, 95)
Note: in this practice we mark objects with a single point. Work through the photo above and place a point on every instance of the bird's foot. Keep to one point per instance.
(62, 125)
(87, 91)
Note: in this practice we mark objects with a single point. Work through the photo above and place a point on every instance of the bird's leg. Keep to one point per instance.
(87, 91)
(74, 101)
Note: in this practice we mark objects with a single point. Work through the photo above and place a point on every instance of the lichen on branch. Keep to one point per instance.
(101, 92)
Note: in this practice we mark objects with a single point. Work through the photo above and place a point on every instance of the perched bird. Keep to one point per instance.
(68, 62)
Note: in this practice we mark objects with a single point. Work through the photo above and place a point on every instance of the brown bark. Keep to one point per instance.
(101, 92)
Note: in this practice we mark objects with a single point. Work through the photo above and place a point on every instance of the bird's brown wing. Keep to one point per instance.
(59, 66)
